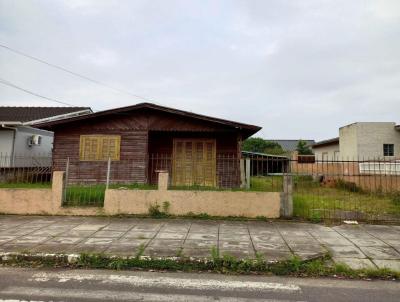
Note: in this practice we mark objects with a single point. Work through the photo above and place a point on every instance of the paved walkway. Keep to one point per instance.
(357, 246)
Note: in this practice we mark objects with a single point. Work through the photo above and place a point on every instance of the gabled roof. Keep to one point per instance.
(27, 114)
(291, 144)
(250, 129)
(327, 142)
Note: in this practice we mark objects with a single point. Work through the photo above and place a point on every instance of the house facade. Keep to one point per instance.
(141, 139)
(22, 145)
(362, 141)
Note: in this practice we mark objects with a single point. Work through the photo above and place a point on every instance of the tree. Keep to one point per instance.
(258, 144)
(303, 148)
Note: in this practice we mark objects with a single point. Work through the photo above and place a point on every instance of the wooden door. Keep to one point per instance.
(194, 162)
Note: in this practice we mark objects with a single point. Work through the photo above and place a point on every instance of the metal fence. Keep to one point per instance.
(21, 170)
(363, 190)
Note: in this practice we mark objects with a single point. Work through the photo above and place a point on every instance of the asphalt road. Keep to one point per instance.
(18, 284)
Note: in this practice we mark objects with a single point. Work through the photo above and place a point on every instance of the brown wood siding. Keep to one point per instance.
(132, 166)
(134, 128)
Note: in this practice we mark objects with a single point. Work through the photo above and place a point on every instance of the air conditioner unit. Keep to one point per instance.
(34, 140)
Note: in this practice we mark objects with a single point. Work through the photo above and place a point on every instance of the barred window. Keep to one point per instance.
(388, 149)
(99, 147)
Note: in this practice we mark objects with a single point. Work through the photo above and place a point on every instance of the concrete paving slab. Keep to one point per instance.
(242, 239)
(165, 243)
(30, 239)
(368, 242)
(122, 250)
(64, 240)
(108, 234)
(300, 240)
(378, 252)
(89, 227)
(335, 241)
(234, 237)
(200, 244)
(307, 248)
(53, 248)
(259, 246)
(131, 242)
(162, 252)
(47, 232)
(98, 241)
(390, 264)
(139, 234)
(75, 233)
(88, 248)
(232, 245)
(356, 263)
(269, 239)
(4, 239)
(196, 253)
(171, 235)
(147, 227)
(202, 236)
(345, 251)
(123, 227)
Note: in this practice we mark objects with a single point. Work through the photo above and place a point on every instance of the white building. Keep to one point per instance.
(362, 141)
(21, 145)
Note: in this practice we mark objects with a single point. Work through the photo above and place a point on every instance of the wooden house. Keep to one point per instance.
(143, 138)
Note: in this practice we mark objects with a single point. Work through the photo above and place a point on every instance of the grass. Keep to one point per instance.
(227, 264)
(317, 202)
(93, 195)
(26, 185)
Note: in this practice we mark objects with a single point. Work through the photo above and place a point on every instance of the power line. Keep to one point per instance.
(4, 82)
(74, 73)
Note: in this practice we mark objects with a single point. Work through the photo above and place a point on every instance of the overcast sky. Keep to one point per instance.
(299, 69)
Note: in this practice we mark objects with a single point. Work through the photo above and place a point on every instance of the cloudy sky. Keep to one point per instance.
(299, 69)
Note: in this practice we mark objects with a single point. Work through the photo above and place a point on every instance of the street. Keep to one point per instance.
(23, 284)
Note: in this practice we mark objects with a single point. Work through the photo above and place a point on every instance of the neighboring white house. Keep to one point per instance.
(362, 141)
(21, 145)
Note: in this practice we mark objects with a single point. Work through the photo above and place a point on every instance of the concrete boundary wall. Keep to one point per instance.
(119, 201)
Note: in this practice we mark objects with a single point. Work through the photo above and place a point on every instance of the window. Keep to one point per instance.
(388, 150)
(324, 155)
(99, 147)
(336, 155)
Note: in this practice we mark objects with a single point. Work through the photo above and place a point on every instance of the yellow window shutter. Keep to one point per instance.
(99, 147)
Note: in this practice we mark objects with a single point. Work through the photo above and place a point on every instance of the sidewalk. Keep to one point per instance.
(358, 246)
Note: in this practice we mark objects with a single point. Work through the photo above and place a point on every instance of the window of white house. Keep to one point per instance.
(324, 155)
(388, 149)
(336, 155)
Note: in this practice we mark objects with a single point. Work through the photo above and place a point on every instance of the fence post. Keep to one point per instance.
(108, 172)
(163, 180)
(287, 196)
(247, 173)
(242, 174)
(66, 175)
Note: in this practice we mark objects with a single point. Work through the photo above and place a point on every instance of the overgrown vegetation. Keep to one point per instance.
(216, 263)
(157, 211)
(93, 195)
(25, 185)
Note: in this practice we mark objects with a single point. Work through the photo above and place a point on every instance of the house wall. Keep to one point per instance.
(6, 142)
(372, 136)
(142, 132)
(329, 152)
(365, 140)
(16, 152)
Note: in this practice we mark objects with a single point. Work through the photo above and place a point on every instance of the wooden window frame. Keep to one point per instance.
(99, 146)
